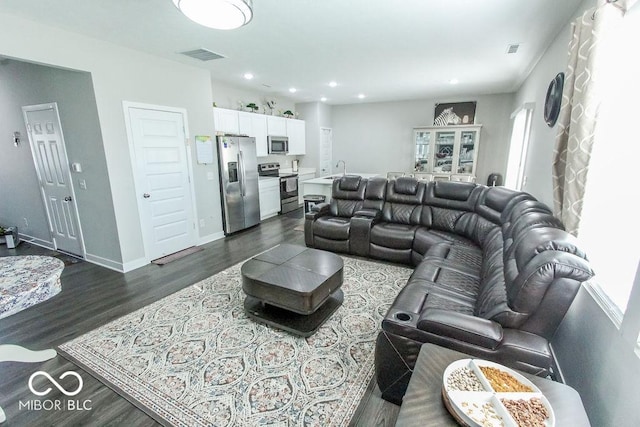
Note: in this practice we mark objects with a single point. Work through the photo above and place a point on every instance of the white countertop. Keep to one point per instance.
(301, 171)
(328, 180)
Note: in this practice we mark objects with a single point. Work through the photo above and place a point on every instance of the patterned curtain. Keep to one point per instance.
(579, 111)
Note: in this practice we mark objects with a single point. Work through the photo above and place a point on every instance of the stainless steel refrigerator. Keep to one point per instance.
(238, 182)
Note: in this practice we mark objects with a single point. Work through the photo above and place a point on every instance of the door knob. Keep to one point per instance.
(68, 199)
(146, 195)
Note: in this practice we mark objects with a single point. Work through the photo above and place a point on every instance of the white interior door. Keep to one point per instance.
(326, 148)
(162, 183)
(52, 166)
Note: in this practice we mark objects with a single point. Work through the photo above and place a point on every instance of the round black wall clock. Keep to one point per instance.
(554, 100)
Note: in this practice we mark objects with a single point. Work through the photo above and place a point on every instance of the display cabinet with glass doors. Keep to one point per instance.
(447, 149)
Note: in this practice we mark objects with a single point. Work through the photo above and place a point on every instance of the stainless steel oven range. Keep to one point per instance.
(288, 185)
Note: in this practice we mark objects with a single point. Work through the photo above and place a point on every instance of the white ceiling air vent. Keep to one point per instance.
(513, 48)
(202, 54)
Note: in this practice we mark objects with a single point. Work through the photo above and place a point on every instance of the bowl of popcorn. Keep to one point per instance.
(482, 393)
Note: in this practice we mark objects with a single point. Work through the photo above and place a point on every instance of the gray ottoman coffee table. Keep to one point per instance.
(293, 288)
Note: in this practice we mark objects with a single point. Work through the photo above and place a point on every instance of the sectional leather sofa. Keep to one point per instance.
(494, 275)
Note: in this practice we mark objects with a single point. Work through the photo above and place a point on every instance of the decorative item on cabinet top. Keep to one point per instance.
(454, 113)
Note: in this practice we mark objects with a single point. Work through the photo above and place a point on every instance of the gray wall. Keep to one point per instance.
(19, 188)
(378, 137)
(73, 91)
(29, 84)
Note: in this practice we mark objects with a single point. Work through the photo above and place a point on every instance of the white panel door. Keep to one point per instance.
(162, 184)
(52, 166)
(326, 147)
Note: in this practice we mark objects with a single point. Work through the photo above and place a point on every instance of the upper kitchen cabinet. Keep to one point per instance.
(255, 125)
(447, 149)
(276, 126)
(226, 121)
(260, 126)
(296, 134)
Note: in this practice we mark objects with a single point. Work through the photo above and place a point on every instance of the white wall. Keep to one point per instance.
(119, 75)
(378, 137)
(227, 96)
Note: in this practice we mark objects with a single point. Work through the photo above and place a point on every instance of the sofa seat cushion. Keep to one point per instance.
(468, 256)
(444, 279)
(453, 238)
(425, 239)
(332, 227)
(392, 235)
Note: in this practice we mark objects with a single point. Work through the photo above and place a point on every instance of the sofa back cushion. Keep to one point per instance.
(403, 203)
(530, 219)
(491, 302)
(375, 193)
(347, 195)
(494, 201)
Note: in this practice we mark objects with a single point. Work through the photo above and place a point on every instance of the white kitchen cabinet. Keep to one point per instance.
(446, 150)
(269, 192)
(276, 126)
(226, 120)
(255, 125)
(296, 134)
(302, 177)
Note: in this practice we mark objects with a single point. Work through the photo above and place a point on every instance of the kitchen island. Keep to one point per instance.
(322, 186)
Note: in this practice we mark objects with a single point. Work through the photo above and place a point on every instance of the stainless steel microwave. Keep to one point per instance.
(278, 144)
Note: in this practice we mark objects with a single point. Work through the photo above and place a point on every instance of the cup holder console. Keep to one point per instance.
(403, 317)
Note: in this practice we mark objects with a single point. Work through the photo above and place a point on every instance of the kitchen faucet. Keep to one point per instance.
(344, 166)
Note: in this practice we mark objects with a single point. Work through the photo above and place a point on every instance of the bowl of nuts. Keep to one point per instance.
(482, 393)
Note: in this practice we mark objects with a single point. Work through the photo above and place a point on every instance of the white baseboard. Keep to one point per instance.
(105, 262)
(210, 238)
(38, 242)
(136, 263)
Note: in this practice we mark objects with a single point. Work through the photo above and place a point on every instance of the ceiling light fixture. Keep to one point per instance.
(218, 14)
(454, 81)
(293, 90)
(248, 76)
(333, 84)
(361, 96)
(323, 99)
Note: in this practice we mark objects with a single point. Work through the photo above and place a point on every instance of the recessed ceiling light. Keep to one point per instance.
(361, 96)
(454, 81)
(323, 99)
(293, 90)
(248, 76)
(333, 84)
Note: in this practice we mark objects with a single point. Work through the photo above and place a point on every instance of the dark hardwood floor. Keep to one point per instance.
(92, 296)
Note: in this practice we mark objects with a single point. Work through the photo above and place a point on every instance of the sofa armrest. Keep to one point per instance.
(369, 213)
(360, 234)
(321, 209)
(462, 327)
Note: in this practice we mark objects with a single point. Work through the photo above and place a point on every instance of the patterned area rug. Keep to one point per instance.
(195, 359)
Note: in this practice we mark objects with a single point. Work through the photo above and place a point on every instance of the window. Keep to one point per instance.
(518, 147)
(609, 229)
